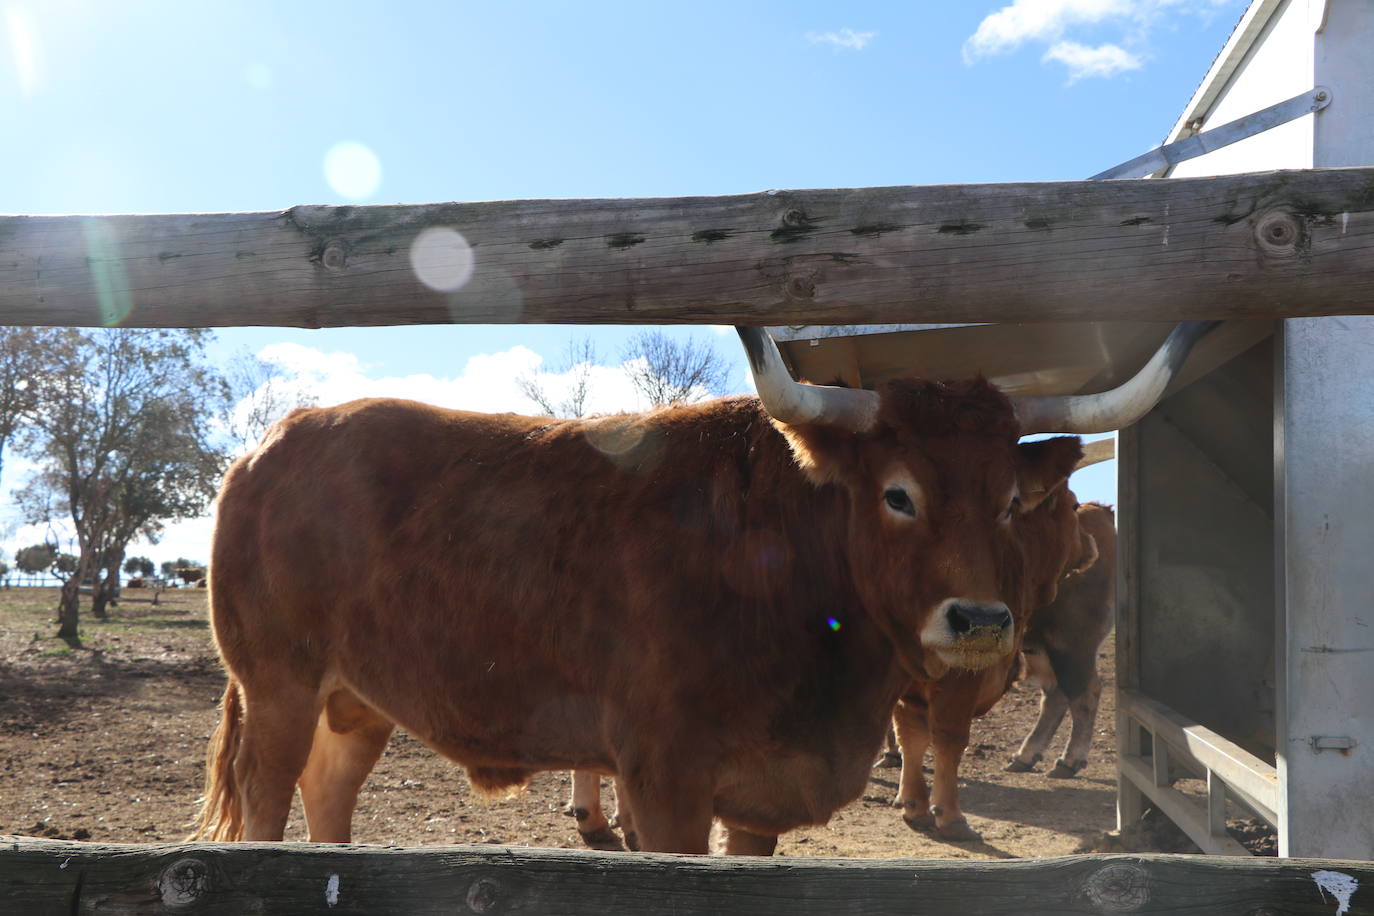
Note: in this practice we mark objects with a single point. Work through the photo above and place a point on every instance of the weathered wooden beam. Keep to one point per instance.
(45, 876)
(1296, 243)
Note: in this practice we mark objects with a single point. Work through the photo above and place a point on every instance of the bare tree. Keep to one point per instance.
(667, 371)
(578, 361)
(259, 396)
(122, 437)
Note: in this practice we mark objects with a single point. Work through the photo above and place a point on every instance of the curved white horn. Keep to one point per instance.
(1119, 407)
(785, 399)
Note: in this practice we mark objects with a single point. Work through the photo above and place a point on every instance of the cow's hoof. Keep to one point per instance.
(578, 813)
(1021, 766)
(603, 839)
(917, 817)
(1065, 770)
(958, 832)
(632, 840)
(889, 761)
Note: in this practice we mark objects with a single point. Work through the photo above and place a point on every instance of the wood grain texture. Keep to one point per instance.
(1294, 243)
(47, 876)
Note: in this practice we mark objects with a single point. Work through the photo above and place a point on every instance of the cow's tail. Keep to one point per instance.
(221, 808)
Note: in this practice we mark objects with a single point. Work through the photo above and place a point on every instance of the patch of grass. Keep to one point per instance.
(57, 652)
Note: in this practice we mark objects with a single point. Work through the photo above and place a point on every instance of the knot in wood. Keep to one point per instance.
(800, 288)
(183, 882)
(483, 895)
(795, 219)
(1278, 234)
(1118, 888)
(334, 256)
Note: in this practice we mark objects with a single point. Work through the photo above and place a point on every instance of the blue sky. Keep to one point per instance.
(192, 106)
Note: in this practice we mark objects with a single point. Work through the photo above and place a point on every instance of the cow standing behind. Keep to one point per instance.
(719, 609)
(934, 712)
(1060, 649)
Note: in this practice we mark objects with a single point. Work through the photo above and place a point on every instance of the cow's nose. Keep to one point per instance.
(965, 616)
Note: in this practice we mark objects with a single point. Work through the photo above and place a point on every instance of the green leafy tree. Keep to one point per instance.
(23, 372)
(139, 566)
(35, 559)
(124, 438)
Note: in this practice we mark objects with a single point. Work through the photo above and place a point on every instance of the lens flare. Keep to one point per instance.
(352, 170)
(258, 75)
(25, 50)
(442, 259)
(108, 277)
(833, 624)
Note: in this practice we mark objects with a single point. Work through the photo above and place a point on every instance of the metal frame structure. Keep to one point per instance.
(1245, 634)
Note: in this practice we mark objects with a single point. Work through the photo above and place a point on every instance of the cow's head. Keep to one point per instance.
(957, 530)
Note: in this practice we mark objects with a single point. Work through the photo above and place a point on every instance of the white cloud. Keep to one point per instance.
(845, 39)
(1037, 20)
(1049, 22)
(488, 381)
(1104, 61)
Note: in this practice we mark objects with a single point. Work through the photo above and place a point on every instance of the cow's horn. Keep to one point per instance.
(1120, 407)
(785, 399)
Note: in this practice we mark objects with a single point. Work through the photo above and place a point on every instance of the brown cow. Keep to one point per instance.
(934, 711)
(718, 606)
(938, 712)
(1060, 649)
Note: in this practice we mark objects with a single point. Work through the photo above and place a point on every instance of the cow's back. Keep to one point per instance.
(432, 561)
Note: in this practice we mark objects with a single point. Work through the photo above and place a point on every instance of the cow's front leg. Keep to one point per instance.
(913, 737)
(671, 796)
(951, 713)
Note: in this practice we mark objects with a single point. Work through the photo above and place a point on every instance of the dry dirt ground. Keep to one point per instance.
(106, 743)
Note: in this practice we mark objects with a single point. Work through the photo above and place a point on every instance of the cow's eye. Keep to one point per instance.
(1012, 508)
(898, 501)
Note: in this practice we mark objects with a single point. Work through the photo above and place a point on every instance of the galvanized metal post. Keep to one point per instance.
(1324, 500)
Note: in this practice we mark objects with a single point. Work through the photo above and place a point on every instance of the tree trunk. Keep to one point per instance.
(69, 609)
(107, 588)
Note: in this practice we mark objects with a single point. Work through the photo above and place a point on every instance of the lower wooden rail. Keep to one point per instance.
(49, 876)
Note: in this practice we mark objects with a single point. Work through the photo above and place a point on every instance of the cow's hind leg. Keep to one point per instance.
(349, 737)
(585, 806)
(1053, 705)
(913, 737)
(1083, 709)
(276, 732)
(625, 818)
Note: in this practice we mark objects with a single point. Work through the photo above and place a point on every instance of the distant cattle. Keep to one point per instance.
(191, 574)
(136, 582)
(1061, 647)
(718, 604)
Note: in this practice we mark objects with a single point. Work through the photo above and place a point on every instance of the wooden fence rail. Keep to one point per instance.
(1296, 243)
(46, 876)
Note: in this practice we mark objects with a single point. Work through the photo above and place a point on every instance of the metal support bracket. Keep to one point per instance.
(1313, 100)
(1331, 743)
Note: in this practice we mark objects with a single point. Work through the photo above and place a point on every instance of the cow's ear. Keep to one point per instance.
(822, 452)
(1043, 467)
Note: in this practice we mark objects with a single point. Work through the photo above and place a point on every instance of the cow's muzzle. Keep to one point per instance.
(969, 634)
